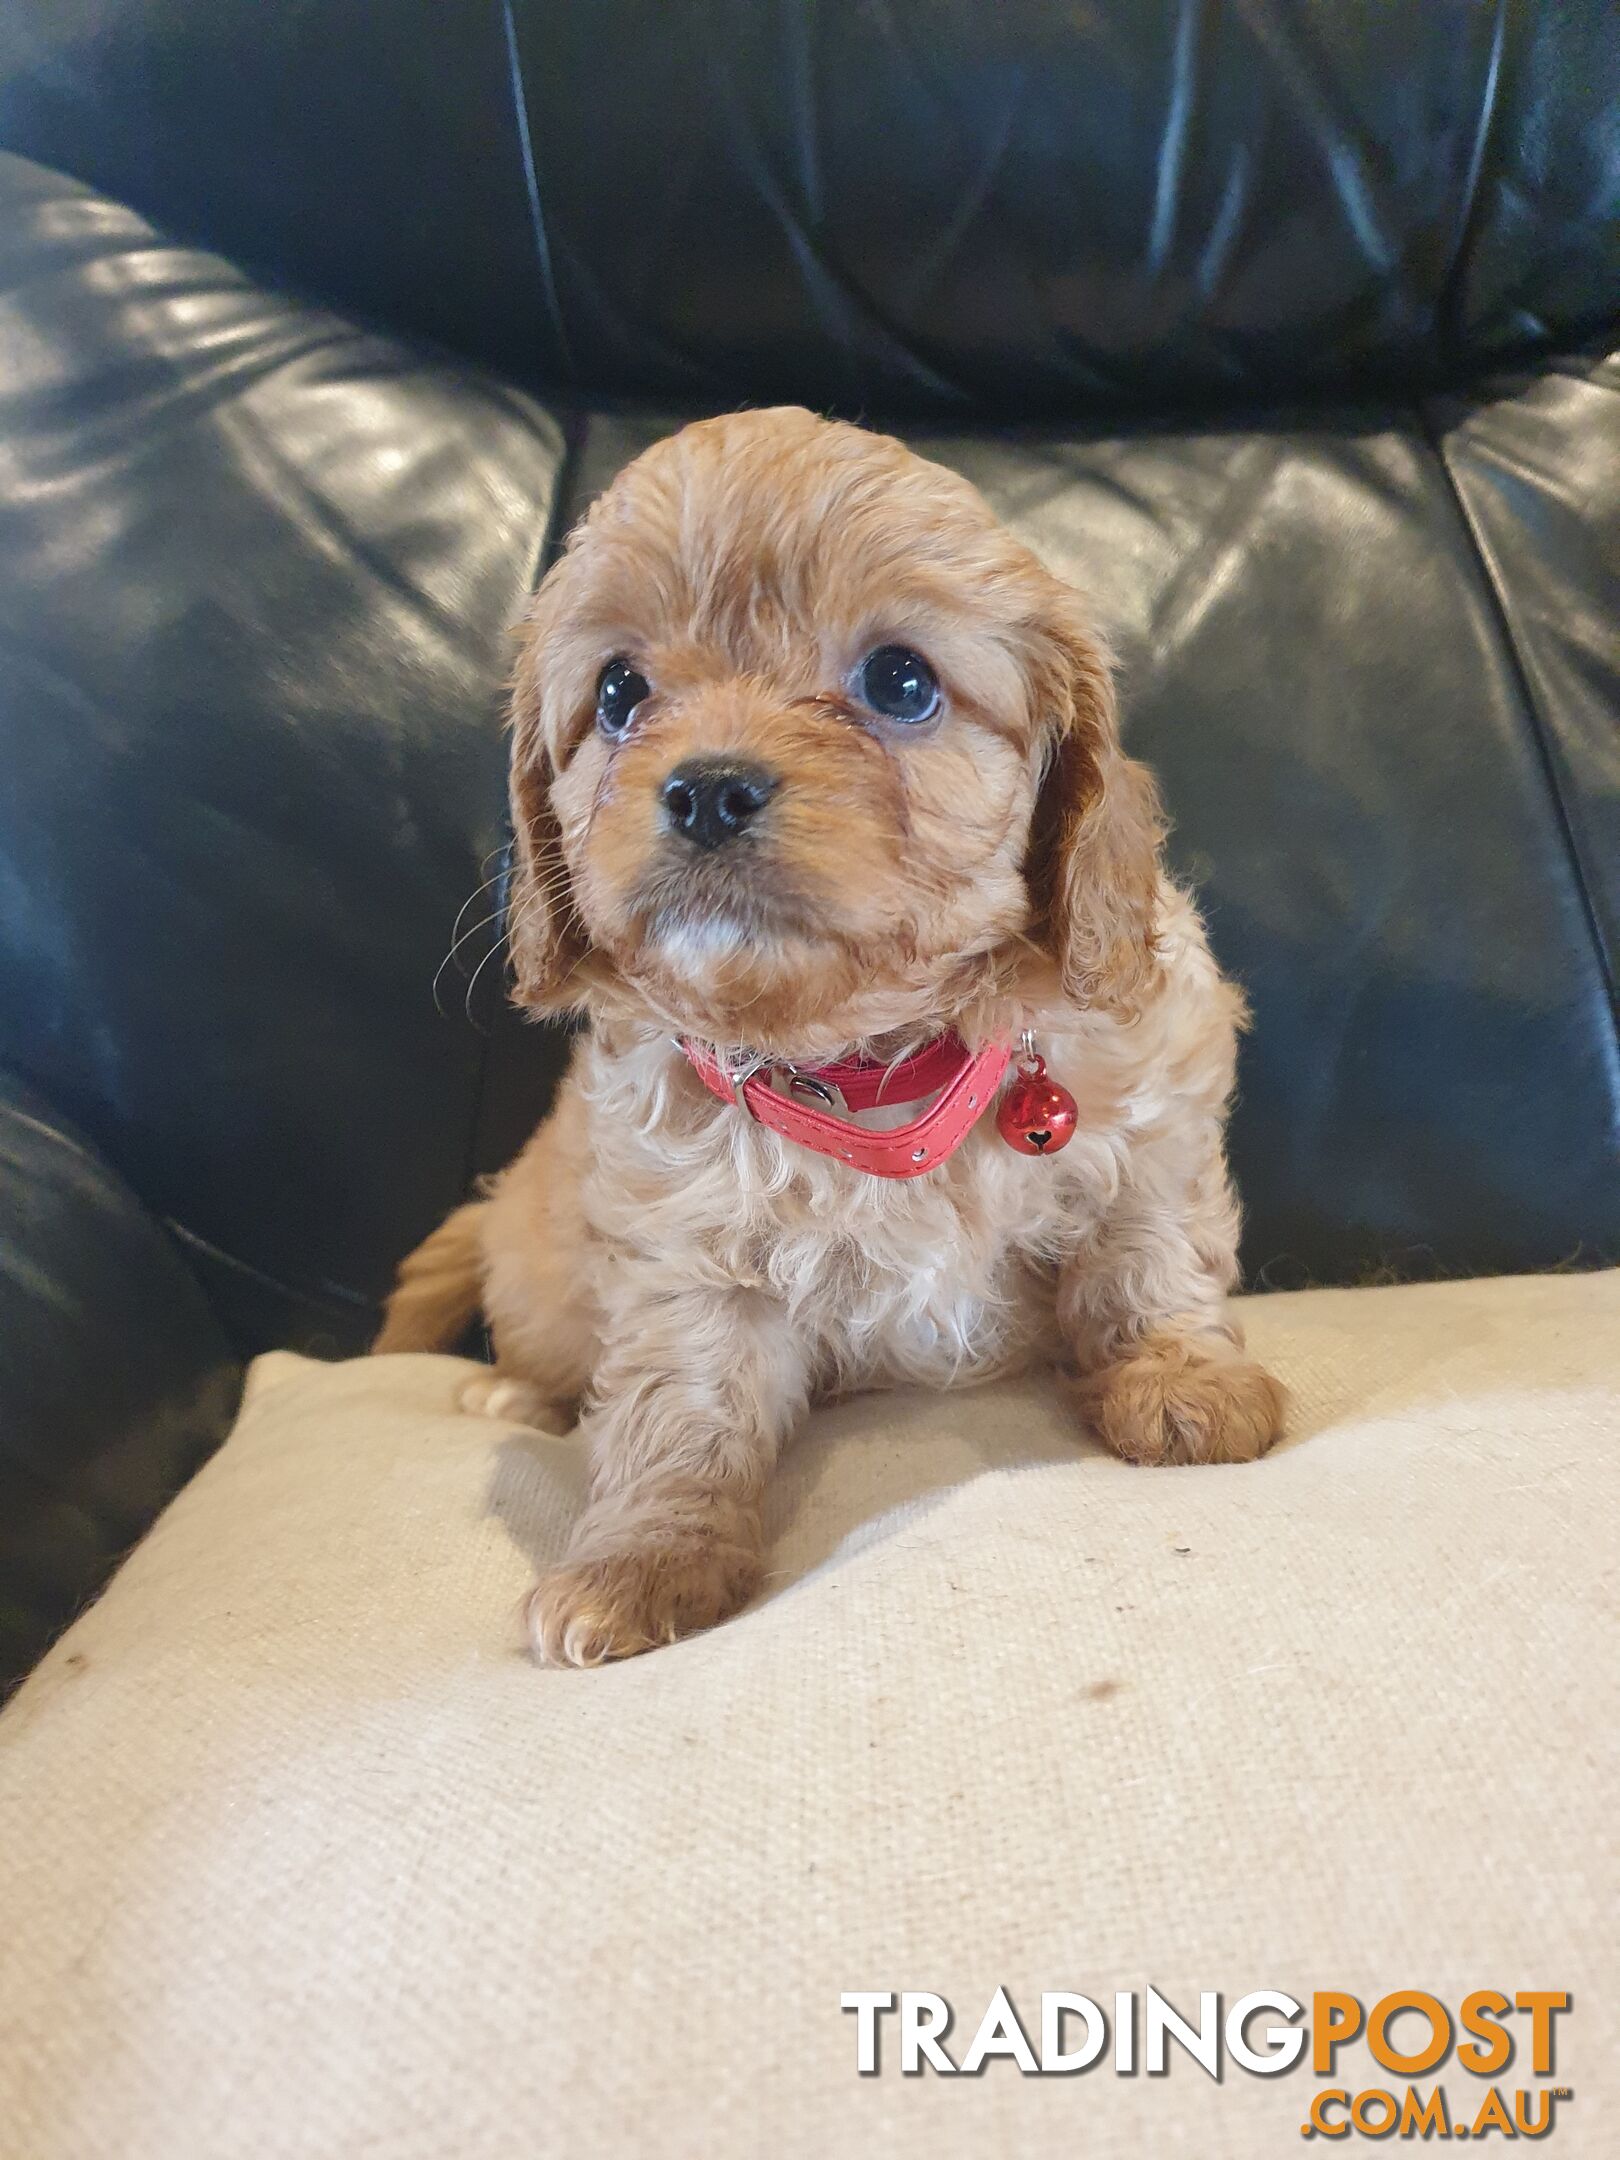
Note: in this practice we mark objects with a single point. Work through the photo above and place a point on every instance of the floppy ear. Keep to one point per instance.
(1093, 863)
(545, 936)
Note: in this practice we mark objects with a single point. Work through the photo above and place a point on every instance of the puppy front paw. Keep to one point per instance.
(639, 1598)
(514, 1402)
(1176, 1399)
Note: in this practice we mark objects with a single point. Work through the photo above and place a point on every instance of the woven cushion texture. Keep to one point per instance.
(304, 1858)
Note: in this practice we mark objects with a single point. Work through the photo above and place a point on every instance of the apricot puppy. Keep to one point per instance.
(815, 770)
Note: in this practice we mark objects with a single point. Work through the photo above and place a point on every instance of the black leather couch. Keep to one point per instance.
(1286, 330)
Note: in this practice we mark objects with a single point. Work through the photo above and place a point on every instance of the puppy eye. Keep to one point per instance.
(619, 690)
(899, 684)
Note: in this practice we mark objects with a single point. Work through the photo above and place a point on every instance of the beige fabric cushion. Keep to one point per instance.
(302, 1857)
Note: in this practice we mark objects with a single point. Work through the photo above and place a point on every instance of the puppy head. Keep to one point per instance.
(807, 748)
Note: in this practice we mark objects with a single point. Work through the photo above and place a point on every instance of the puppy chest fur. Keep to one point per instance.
(930, 1281)
(655, 1198)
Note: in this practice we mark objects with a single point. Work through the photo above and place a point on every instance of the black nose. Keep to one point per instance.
(710, 800)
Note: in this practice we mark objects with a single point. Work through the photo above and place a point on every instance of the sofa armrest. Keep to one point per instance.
(115, 1379)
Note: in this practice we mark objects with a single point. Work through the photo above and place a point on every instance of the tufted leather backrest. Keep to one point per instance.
(257, 559)
(927, 206)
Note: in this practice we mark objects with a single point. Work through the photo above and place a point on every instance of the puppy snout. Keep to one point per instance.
(710, 800)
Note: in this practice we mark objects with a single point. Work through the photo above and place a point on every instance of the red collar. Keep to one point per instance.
(964, 1082)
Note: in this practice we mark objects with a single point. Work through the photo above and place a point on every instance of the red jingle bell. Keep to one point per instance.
(1036, 1115)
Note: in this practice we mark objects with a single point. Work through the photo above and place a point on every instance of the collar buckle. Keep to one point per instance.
(738, 1068)
(817, 1087)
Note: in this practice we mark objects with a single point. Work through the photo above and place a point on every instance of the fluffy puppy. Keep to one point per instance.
(944, 836)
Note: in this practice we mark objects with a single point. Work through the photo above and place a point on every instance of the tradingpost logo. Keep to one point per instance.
(1443, 2070)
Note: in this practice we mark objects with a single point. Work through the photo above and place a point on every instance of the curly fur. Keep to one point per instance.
(681, 1278)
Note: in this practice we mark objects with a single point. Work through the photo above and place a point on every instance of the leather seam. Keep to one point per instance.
(531, 182)
(1448, 339)
(330, 1297)
(1535, 722)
